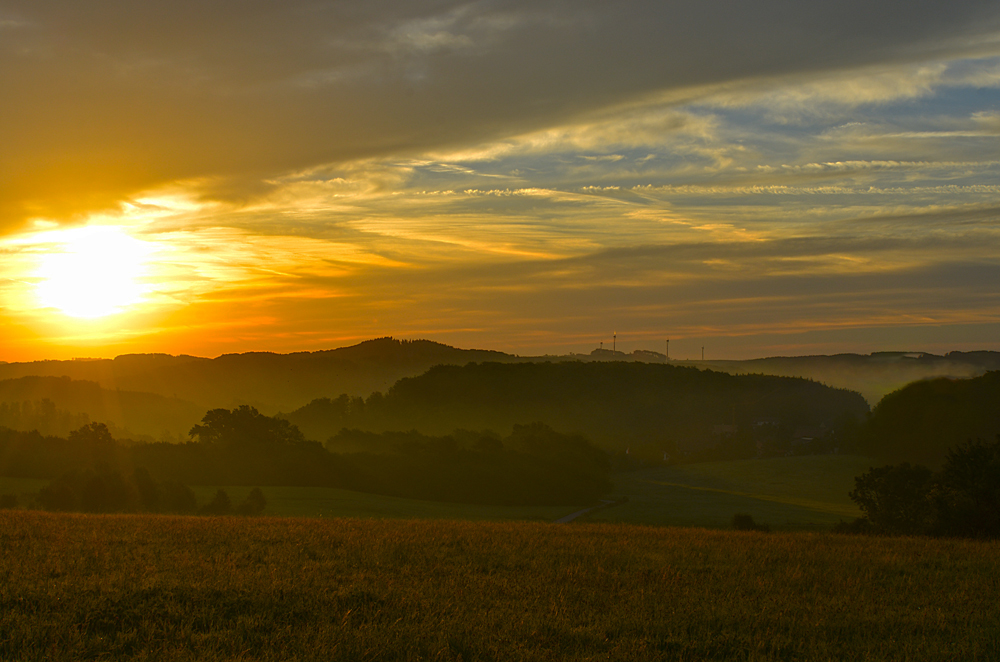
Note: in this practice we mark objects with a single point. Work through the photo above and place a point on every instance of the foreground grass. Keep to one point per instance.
(138, 587)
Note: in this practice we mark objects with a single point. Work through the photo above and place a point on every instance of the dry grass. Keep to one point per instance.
(135, 587)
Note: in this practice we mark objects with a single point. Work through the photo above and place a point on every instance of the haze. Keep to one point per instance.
(533, 177)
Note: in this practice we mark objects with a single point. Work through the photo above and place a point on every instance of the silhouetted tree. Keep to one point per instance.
(219, 505)
(111, 492)
(254, 504)
(963, 499)
(244, 426)
(92, 492)
(744, 522)
(923, 421)
(895, 499)
(150, 498)
(178, 498)
(97, 441)
(61, 495)
(967, 493)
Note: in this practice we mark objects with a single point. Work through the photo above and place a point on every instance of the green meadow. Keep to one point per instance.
(788, 493)
(155, 587)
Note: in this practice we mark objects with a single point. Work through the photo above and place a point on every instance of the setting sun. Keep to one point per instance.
(95, 272)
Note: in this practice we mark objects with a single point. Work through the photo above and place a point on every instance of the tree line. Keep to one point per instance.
(961, 499)
(533, 465)
(922, 422)
(671, 409)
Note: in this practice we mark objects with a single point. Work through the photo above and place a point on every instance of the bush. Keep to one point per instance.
(8, 501)
(178, 498)
(967, 493)
(254, 504)
(744, 522)
(110, 492)
(219, 505)
(963, 499)
(89, 492)
(858, 526)
(896, 499)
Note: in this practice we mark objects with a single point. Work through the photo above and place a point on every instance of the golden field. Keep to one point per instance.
(149, 587)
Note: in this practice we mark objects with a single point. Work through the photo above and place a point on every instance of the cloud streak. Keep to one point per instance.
(106, 98)
(509, 174)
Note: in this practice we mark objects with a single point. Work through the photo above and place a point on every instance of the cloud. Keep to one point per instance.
(104, 99)
(989, 121)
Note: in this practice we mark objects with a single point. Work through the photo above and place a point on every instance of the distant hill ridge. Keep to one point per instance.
(872, 375)
(614, 404)
(284, 382)
(266, 380)
(56, 405)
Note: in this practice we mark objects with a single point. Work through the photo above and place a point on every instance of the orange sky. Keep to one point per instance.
(528, 177)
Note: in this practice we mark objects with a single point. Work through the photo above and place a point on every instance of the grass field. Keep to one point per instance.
(330, 502)
(789, 493)
(146, 587)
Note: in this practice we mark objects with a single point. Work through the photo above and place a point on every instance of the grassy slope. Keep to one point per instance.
(788, 493)
(808, 492)
(131, 587)
(329, 502)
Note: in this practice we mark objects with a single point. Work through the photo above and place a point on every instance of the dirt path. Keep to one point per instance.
(572, 516)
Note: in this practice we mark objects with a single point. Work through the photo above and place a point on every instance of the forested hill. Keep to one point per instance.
(614, 404)
(871, 375)
(58, 405)
(272, 382)
(265, 380)
(922, 422)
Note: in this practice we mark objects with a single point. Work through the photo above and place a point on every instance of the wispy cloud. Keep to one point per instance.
(508, 174)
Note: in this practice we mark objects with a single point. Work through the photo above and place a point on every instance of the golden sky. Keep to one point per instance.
(757, 178)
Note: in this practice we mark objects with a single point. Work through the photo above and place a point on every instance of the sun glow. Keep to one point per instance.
(92, 272)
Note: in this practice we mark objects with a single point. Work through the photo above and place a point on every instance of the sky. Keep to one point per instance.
(755, 178)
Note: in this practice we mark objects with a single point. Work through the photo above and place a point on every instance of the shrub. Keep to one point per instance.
(858, 526)
(896, 499)
(254, 504)
(178, 498)
(219, 505)
(744, 522)
(963, 499)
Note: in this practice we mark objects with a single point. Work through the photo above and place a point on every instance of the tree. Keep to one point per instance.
(254, 504)
(178, 498)
(91, 492)
(744, 522)
(94, 434)
(150, 498)
(219, 505)
(97, 441)
(967, 493)
(245, 426)
(896, 499)
(963, 499)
